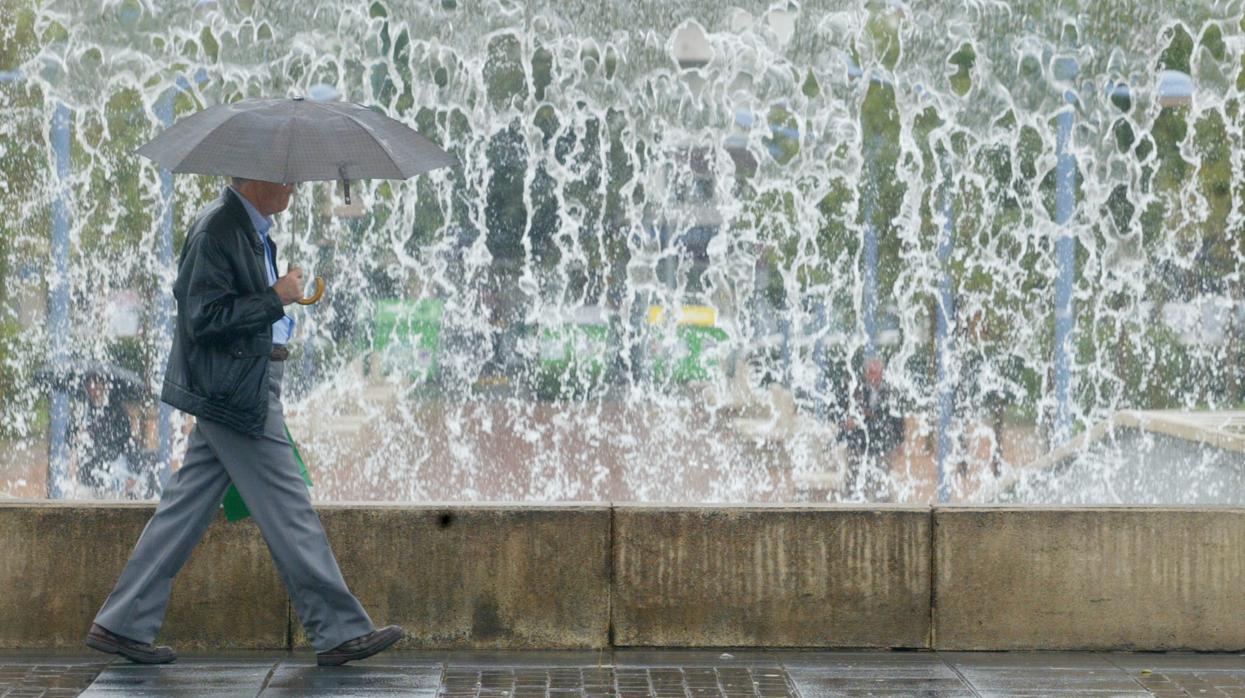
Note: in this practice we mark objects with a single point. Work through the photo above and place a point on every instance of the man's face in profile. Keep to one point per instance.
(268, 197)
(273, 197)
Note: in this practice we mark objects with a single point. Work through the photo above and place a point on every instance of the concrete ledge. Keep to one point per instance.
(1089, 578)
(775, 576)
(58, 562)
(509, 576)
(520, 576)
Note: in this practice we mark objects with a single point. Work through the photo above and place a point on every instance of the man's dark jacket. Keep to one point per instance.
(218, 367)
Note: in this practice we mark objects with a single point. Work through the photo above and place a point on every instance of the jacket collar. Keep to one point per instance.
(233, 202)
(259, 221)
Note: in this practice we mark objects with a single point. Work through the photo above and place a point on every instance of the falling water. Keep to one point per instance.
(675, 232)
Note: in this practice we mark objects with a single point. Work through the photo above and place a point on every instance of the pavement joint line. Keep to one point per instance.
(609, 584)
(931, 636)
(1127, 672)
(956, 670)
(272, 670)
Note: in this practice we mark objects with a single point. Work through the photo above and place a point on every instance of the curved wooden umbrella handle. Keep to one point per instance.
(315, 296)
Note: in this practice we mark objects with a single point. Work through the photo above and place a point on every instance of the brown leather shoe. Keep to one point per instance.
(361, 647)
(104, 640)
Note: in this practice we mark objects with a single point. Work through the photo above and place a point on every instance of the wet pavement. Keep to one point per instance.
(633, 674)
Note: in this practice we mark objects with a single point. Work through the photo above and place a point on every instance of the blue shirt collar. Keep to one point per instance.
(261, 222)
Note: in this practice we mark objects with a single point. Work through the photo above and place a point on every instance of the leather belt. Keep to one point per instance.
(279, 353)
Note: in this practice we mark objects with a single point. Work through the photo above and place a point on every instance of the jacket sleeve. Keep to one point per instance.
(215, 312)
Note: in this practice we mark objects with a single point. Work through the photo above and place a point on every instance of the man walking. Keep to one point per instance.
(225, 367)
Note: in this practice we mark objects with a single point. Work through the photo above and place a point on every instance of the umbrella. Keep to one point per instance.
(124, 383)
(295, 140)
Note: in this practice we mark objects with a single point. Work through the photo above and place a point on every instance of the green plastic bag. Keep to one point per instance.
(235, 508)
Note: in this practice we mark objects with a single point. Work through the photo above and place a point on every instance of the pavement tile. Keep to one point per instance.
(873, 673)
(182, 678)
(48, 675)
(1046, 692)
(903, 693)
(1177, 661)
(696, 658)
(647, 681)
(1083, 685)
(854, 669)
(1032, 660)
(821, 658)
(516, 659)
(357, 679)
(1043, 673)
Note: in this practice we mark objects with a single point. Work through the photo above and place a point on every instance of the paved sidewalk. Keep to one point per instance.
(633, 674)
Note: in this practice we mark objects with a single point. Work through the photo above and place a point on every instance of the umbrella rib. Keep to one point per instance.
(363, 126)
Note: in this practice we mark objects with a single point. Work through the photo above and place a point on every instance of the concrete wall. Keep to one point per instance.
(776, 576)
(58, 562)
(478, 576)
(588, 575)
(1091, 578)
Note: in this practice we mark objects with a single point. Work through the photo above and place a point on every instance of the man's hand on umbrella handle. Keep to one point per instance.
(290, 287)
(315, 296)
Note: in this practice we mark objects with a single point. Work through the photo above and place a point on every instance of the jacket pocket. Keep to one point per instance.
(230, 375)
(213, 371)
(248, 359)
(248, 383)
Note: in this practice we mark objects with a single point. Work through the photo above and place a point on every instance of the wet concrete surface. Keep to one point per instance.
(638, 673)
(43, 674)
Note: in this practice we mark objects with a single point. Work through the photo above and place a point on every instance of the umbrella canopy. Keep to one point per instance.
(72, 375)
(295, 140)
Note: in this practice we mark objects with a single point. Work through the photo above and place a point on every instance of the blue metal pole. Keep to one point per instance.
(1065, 252)
(945, 341)
(869, 292)
(784, 327)
(819, 359)
(164, 309)
(58, 460)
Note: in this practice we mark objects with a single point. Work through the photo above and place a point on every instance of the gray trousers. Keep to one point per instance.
(267, 477)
